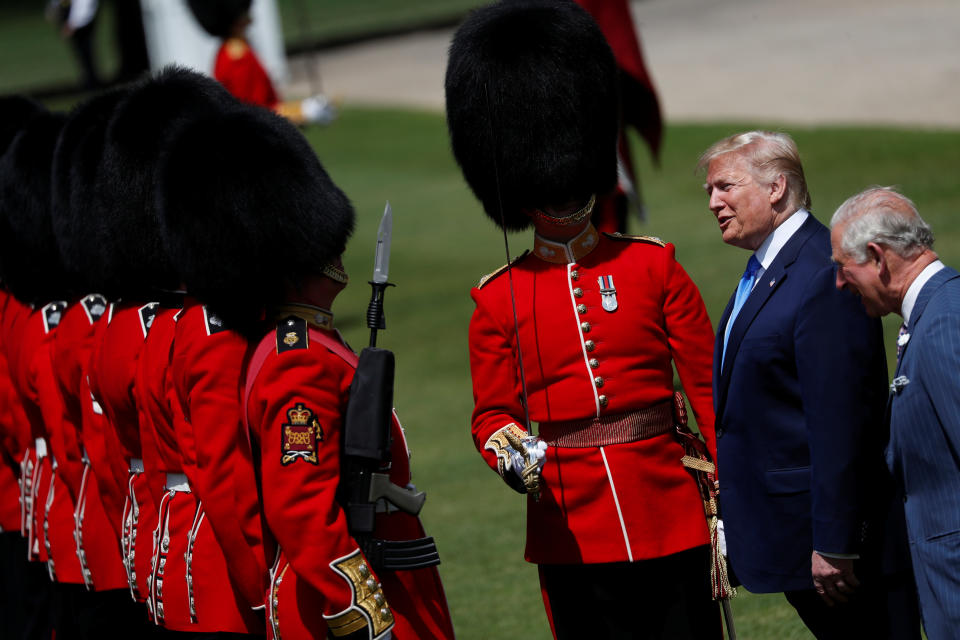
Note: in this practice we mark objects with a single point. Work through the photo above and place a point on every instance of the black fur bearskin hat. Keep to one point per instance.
(247, 211)
(153, 111)
(29, 258)
(15, 112)
(77, 225)
(532, 107)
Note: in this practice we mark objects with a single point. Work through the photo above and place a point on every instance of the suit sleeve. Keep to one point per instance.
(297, 408)
(497, 389)
(690, 334)
(841, 371)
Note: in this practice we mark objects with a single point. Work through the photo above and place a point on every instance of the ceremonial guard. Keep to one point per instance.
(176, 563)
(580, 335)
(33, 270)
(281, 227)
(238, 68)
(26, 587)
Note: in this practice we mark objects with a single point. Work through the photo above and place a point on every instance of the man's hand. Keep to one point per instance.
(833, 578)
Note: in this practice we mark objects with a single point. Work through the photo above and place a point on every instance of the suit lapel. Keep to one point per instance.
(926, 294)
(719, 390)
(771, 280)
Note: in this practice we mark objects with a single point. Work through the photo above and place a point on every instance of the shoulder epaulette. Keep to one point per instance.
(51, 315)
(292, 334)
(490, 276)
(95, 305)
(648, 239)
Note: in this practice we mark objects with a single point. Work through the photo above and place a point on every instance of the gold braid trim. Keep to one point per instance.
(719, 576)
(500, 441)
(369, 608)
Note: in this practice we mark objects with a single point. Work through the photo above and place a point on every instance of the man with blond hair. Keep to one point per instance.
(799, 388)
(884, 254)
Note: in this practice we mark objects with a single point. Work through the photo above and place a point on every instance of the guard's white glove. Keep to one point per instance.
(721, 538)
(526, 457)
(318, 109)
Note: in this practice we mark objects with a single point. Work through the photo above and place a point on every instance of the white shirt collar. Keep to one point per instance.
(767, 251)
(913, 291)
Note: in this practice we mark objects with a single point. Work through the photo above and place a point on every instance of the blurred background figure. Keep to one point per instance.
(639, 108)
(77, 19)
(130, 39)
(238, 68)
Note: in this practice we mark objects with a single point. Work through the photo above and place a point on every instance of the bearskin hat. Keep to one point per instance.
(15, 112)
(136, 259)
(532, 107)
(217, 17)
(248, 210)
(29, 259)
(77, 225)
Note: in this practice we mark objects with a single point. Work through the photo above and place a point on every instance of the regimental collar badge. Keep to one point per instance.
(572, 251)
(300, 436)
(608, 293)
(147, 313)
(317, 316)
(95, 305)
(51, 315)
(212, 322)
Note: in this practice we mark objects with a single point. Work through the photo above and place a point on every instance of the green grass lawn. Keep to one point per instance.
(443, 244)
(33, 56)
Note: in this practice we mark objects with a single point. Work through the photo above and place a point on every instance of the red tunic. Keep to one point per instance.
(53, 507)
(97, 543)
(168, 595)
(112, 371)
(227, 563)
(621, 502)
(320, 576)
(239, 70)
(14, 429)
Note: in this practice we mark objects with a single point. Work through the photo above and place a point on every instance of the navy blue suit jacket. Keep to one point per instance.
(800, 418)
(924, 449)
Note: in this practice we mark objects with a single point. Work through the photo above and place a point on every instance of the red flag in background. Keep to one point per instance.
(639, 107)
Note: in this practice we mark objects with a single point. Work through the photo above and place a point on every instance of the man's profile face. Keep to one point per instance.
(863, 280)
(742, 206)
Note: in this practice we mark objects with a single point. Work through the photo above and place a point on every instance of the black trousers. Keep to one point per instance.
(660, 599)
(79, 614)
(882, 608)
(25, 592)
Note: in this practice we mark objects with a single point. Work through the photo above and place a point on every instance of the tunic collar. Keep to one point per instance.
(571, 251)
(318, 317)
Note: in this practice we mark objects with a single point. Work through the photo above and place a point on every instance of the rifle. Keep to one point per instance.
(367, 441)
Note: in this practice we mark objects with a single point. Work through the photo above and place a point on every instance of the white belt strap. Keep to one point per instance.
(40, 445)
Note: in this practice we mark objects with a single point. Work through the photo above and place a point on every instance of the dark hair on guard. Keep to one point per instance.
(77, 223)
(217, 17)
(532, 107)
(248, 210)
(154, 110)
(29, 259)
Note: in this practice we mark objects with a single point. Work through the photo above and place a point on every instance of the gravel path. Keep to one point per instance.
(809, 62)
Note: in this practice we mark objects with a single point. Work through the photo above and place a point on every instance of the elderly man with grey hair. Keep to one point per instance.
(884, 254)
(799, 389)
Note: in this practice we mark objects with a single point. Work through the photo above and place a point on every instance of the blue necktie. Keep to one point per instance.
(743, 291)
